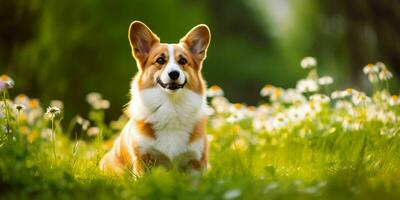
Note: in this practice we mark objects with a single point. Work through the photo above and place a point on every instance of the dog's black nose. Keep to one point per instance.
(173, 75)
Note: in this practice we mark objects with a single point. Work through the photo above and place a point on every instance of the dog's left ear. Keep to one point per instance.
(198, 40)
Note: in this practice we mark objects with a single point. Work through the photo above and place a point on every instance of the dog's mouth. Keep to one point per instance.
(171, 86)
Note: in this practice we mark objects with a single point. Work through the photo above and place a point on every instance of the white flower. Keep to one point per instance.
(360, 98)
(349, 92)
(214, 91)
(320, 98)
(57, 103)
(267, 90)
(52, 111)
(102, 104)
(306, 85)
(337, 94)
(385, 75)
(308, 62)
(83, 122)
(394, 100)
(19, 107)
(46, 133)
(325, 80)
(370, 68)
(350, 124)
(220, 104)
(6, 81)
(93, 98)
(292, 96)
(235, 117)
(93, 131)
(232, 194)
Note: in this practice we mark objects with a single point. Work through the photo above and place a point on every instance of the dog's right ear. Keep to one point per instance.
(142, 40)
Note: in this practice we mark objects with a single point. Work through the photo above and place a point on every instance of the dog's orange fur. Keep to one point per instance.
(118, 159)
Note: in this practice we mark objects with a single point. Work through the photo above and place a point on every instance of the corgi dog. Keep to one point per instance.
(168, 105)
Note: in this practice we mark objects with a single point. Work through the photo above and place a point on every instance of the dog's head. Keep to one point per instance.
(169, 66)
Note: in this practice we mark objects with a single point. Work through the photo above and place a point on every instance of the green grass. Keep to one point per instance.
(331, 152)
(358, 164)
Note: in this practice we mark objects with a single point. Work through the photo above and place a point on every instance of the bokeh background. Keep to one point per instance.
(65, 49)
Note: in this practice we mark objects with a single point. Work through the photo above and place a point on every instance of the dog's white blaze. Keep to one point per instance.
(173, 117)
(172, 66)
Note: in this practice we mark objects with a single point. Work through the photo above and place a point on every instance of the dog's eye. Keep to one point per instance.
(182, 61)
(160, 60)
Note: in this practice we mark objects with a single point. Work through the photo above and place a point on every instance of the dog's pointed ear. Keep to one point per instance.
(197, 40)
(142, 39)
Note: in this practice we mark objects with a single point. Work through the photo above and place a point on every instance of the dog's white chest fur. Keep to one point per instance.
(173, 117)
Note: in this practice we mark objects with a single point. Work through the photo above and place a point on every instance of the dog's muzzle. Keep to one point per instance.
(171, 86)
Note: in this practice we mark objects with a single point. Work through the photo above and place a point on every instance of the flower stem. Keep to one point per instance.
(8, 128)
(53, 138)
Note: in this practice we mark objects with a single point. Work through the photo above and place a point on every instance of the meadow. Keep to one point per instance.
(306, 142)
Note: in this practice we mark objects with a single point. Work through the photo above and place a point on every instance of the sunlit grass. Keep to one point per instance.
(302, 143)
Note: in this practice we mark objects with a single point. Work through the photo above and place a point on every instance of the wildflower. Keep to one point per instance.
(350, 124)
(83, 122)
(344, 105)
(47, 133)
(220, 104)
(93, 97)
(360, 98)
(320, 98)
(102, 104)
(306, 85)
(21, 99)
(214, 91)
(349, 92)
(370, 68)
(7, 82)
(235, 117)
(33, 104)
(279, 121)
(385, 74)
(337, 94)
(232, 194)
(93, 131)
(381, 65)
(267, 90)
(325, 80)
(394, 100)
(19, 107)
(57, 103)
(292, 96)
(52, 111)
(308, 62)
